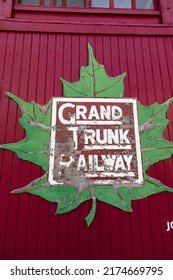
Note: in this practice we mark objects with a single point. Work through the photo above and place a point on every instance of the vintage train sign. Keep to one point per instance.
(96, 140)
(89, 144)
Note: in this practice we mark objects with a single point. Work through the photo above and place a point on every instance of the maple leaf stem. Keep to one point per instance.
(92, 213)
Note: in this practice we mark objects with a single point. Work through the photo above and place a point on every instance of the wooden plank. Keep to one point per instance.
(123, 63)
(3, 43)
(166, 8)
(32, 221)
(3, 103)
(155, 96)
(133, 3)
(86, 237)
(158, 94)
(58, 65)
(64, 220)
(21, 236)
(89, 28)
(55, 64)
(42, 68)
(146, 223)
(168, 134)
(150, 98)
(51, 79)
(131, 67)
(95, 239)
(168, 164)
(105, 209)
(7, 125)
(40, 99)
(17, 132)
(169, 59)
(51, 75)
(33, 215)
(132, 52)
(54, 230)
(165, 167)
(137, 229)
(74, 216)
(115, 56)
(125, 220)
(140, 71)
(1, 9)
(163, 66)
(7, 7)
(115, 220)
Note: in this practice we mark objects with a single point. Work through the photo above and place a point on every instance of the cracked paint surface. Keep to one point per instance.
(95, 142)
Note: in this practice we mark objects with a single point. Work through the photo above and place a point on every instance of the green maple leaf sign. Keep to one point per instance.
(94, 82)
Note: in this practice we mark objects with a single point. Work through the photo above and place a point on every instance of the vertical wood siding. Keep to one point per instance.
(30, 67)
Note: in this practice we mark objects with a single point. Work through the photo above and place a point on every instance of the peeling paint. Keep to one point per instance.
(96, 141)
(72, 187)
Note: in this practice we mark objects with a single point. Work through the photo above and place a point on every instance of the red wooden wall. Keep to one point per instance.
(30, 66)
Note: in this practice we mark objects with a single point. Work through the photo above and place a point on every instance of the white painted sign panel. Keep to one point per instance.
(95, 140)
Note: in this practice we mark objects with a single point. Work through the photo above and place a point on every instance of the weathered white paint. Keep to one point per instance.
(80, 114)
